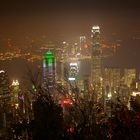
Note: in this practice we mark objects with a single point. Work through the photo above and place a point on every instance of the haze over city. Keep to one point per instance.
(67, 20)
(69, 69)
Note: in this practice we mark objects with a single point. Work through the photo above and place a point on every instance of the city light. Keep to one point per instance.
(135, 93)
(49, 69)
(96, 27)
(74, 77)
(71, 78)
(73, 64)
(44, 63)
(15, 83)
(109, 95)
(1, 71)
(70, 70)
(66, 102)
(16, 105)
(64, 42)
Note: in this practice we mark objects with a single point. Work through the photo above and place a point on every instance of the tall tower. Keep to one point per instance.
(96, 56)
(129, 76)
(49, 69)
(82, 44)
(73, 71)
(5, 98)
(15, 92)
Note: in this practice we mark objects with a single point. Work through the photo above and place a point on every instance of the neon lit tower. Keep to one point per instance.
(96, 56)
(49, 69)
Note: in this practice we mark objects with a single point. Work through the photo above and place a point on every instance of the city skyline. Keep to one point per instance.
(67, 20)
(69, 69)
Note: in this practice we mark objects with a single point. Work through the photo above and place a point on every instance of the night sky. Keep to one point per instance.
(65, 19)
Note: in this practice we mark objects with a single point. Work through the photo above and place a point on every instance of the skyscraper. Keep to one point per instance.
(4, 84)
(73, 71)
(15, 92)
(95, 56)
(111, 83)
(129, 76)
(82, 44)
(5, 98)
(49, 69)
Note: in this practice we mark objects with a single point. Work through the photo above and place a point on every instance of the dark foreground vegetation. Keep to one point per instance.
(84, 119)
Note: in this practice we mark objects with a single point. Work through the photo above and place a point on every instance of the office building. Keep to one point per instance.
(49, 70)
(95, 56)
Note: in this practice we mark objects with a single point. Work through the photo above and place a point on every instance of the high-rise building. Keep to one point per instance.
(112, 77)
(4, 84)
(82, 44)
(96, 56)
(111, 82)
(16, 99)
(73, 71)
(5, 98)
(129, 76)
(15, 92)
(49, 69)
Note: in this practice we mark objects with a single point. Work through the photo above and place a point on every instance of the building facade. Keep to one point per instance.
(49, 70)
(96, 56)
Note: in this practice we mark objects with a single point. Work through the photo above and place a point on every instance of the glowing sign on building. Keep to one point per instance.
(71, 78)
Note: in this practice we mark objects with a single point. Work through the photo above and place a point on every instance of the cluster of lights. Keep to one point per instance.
(73, 64)
(1, 71)
(73, 71)
(109, 95)
(95, 29)
(71, 78)
(16, 105)
(15, 83)
(135, 93)
(67, 101)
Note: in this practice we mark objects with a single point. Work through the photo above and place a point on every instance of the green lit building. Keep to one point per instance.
(49, 69)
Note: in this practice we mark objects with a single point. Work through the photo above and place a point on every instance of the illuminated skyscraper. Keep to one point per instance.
(82, 44)
(73, 71)
(112, 77)
(15, 92)
(5, 98)
(16, 100)
(111, 83)
(95, 56)
(129, 76)
(4, 84)
(49, 69)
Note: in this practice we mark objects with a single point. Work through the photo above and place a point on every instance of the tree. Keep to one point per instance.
(85, 116)
(124, 124)
(47, 121)
(48, 118)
